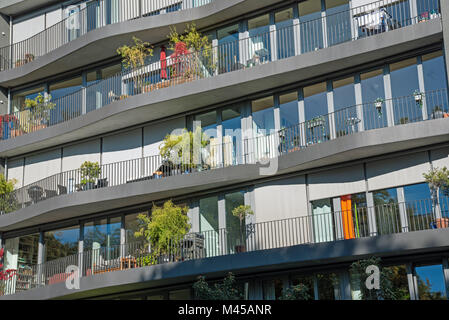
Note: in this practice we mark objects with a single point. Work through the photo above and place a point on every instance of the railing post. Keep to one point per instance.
(402, 210)
(388, 96)
(330, 110)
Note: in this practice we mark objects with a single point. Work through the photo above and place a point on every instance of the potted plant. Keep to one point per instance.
(133, 57)
(438, 179)
(242, 212)
(90, 171)
(378, 104)
(8, 200)
(418, 97)
(403, 120)
(39, 111)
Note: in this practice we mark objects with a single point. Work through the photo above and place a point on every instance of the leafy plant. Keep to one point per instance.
(164, 227)
(385, 291)
(241, 212)
(149, 260)
(378, 104)
(418, 97)
(227, 290)
(298, 292)
(8, 200)
(437, 179)
(133, 57)
(89, 172)
(39, 108)
(184, 149)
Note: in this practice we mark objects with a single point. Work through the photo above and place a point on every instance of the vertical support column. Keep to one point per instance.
(243, 44)
(345, 286)
(215, 55)
(330, 110)
(411, 279)
(444, 5)
(40, 260)
(402, 210)
(422, 87)
(354, 25)
(388, 96)
(296, 30)
(223, 236)
(220, 143)
(324, 23)
(372, 223)
(83, 94)
(413, 11)
(194, 216)
(123, 251)
(301, 116)
(11, 60)
(338, 219)
(81, 250)
(273, 38)
(275, 142)
(247, 134)
(359, 102)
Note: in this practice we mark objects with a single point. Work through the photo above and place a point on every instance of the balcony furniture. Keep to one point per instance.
(102, 183)
(352, 122)
(193, 246)
(35, 193)
(114, 265)
(62, 189)
(50, 193)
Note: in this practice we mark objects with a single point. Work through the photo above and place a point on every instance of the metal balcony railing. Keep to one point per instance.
(235, 150)
(94, 15)
(298, 38)
(382, 219)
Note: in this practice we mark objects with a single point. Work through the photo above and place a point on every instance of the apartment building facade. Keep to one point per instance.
(321, 115)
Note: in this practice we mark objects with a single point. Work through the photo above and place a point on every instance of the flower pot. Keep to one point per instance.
(240, 248)
(418, 97)
(88, 186)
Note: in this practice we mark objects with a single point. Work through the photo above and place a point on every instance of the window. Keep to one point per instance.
(208, 123)
(323, 227)
(284, 33)
(232, 136)
(61, 243)
(399, 282)
(328, 286)
(387, 211)
(209, 225)
(228, 48)
(288, 105)
(263, 115)
(311, 25)
(404, 82)
(235, 230)
(131, 226)
(18, 99)
(258, 44)
(65, 88)
(102, 233)
(345, 111)
(430, 280)
(315, 105)
(338, 21)
(434, 70)
(372, 84)
(306, 280)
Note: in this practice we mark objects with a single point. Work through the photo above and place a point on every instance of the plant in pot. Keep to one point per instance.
(437, 112)
(39, 111)
(242, 212)
(418, 96)
(438, 180)
(378, 105)
(133, 57)
(90, 171)
(192, 57)
(163, 231)
(184, 151)
(8, 199)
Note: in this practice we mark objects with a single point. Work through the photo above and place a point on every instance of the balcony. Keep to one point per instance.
(244, 54)
(327, 228)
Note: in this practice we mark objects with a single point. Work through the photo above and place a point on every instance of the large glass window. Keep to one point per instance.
(258, 44)
(338, 21)
(404, 82)
(263, 115)
(434, 70)
(345, 115)
(387, 211)
(288, 105)
(372, 84)
(61, 243)
(306, 280)
(284, 33)
(228, 48)
(430, 279)
(131, 226)
(311, 25)
(18, 99)
(231, 126)
(328, 286)
(65, 87)
(208, 123)
(315, 105)
(236, 230)
(102, 233)
(323, 226)
(209, 226)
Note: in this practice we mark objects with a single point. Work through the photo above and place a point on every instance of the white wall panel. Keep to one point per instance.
(336, 182)
(397, 171)
(25, 29)
(154, 134)
(75, 155)
(15, 171)
(122, 146)
(53, 17)
(42, 165)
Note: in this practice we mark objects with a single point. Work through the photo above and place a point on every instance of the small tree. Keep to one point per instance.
(134, 57)
(298, 292)
(89, 172)
(39, 108)
(385, 291)
(194, 43)
(437, 179)
(184, 149)
(8, 200)
(220, 291)
(241, 212)
(165, 227)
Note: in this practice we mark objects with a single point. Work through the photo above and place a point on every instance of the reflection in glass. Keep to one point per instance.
(236, 233)
(209, 226)
(258, 45)
(387, 211)
(228, 48)
(284, 33)
(338, 21)
(311, 25)
(231, 124)
(430, 280)
(372, 84)
(315, 105)
(434, 70)
(345, 116)
(328, 286)
(61, 243)
(308, 281)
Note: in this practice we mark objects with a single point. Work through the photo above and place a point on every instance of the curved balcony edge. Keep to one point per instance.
(186, 97)
(344, 149)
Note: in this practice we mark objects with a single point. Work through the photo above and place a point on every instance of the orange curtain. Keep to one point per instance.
(346, 215)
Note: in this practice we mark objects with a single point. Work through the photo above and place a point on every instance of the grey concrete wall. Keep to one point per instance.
(445, 24)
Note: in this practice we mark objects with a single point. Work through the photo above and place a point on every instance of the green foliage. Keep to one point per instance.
(182, 149)
(39, 108)
(386, 289)
(298, 292)
(134, 56)
(89, 172)
(220, 291)
(166, 225)
(192, 38)
(437, 179)
(8, 201)
(149, 260)
(241, 212)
